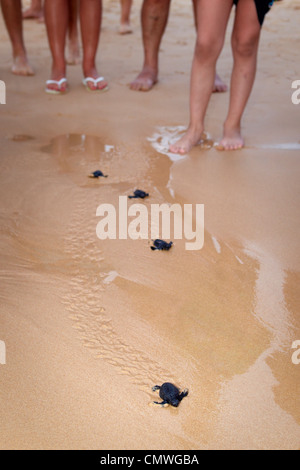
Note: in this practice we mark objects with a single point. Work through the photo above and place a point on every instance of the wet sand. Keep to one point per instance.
(90, 326)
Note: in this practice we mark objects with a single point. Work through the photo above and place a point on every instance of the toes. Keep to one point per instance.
(135, 86)
(91, 86)
(220, 88)
(142, 84)
(178, 150)
(174, 149)
(102, 86)
(229, 145)
(125, 29)
(23, 71)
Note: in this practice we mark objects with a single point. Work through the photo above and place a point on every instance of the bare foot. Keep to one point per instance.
(219, 85)
(22, 67)
(32, 14)
(73, 56)
(232, 140)
(187, 142)
(145, 80)
(125, 28)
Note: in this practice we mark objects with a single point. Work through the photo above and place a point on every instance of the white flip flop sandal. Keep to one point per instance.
(95, 82)
(59, 84)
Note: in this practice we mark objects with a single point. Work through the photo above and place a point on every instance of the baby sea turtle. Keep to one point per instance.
(138, 193)
(169, 394)
(97, 174)
(161, 245)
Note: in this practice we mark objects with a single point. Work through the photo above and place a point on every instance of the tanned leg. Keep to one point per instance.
(12, 13)
(57, 19)
(73, 56)
(155, 15)
(212, 21)
(35, 11)
(245, 42)
(90, 20)
(219, 85)
(125, 27)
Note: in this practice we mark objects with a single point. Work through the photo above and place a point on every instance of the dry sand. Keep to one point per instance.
(91, 326)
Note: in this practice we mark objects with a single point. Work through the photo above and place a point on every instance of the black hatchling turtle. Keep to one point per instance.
(169, 394)
(138, 194)
(97, 174)
(161, 245)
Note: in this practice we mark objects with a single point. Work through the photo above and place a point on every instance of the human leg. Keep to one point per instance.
(125, 27)
(56, 19)
(12, 13)
(90, 20)
(219, 85)
(73, 56)
(212, 19)
(34, 11)
(245, 42)
(154, 15)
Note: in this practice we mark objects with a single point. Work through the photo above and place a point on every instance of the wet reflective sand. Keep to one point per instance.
(90, 326)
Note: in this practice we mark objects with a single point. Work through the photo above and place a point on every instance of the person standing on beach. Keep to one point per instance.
(36, 11)
(57, 14)
(12, 13)
(154, 17)
(125, 27)
(213, 16)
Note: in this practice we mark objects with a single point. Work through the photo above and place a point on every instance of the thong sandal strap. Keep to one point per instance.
(56, 82)
(94, 80)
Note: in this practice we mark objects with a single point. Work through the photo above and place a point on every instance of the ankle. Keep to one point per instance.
(58, 71)
(151, 66)
(19, 51)
(232, 125)
(89, 66)
(196, 128)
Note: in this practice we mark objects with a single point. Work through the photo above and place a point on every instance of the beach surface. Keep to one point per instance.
(91, 326)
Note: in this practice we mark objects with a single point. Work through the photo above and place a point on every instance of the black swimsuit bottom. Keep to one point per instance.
(262, 6)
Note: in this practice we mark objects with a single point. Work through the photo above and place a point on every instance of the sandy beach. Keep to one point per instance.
(91, 326)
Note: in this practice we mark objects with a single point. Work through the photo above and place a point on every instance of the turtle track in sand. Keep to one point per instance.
(83, 302)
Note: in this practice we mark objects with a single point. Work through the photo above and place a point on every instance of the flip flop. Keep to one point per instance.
(59, 84)
(95, 83)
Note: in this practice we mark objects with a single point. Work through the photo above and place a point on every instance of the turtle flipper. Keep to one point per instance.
(163, 404)
(183, 394)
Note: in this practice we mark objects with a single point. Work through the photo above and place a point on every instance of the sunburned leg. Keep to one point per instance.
(90, 20)
(56, 18)
(12, 13)
(212, 19)
(154, 20)
(245, 41)
(125, 27)
(35, 11)
(219, 85)
(73, 54)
